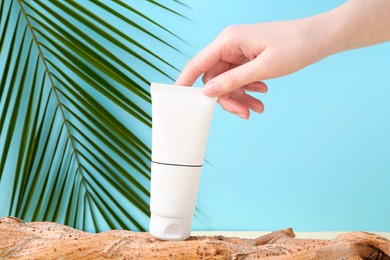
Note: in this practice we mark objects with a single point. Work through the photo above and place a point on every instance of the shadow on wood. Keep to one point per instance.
(43, 240)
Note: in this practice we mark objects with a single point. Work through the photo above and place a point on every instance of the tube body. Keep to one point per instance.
(181, 118)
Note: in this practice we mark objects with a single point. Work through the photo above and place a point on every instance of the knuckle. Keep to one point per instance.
(230, 31)
(232, 80)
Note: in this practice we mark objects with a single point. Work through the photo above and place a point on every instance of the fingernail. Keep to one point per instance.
(242, 116)
(258, 109)
(211, 89)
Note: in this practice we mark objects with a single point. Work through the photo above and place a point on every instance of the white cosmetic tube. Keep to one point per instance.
(181, 121)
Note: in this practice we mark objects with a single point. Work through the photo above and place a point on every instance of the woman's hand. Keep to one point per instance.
(237, 61)
(241, 57)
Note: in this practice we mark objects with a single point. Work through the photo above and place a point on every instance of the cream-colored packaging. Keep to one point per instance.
(181, 121)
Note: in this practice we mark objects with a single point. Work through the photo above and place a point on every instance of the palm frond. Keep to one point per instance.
(73, 111)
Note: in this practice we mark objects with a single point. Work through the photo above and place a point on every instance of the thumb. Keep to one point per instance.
(234, 79)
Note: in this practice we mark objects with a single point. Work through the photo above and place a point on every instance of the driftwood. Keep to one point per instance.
(46, 240)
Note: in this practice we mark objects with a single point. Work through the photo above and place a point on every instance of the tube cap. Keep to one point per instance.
(167, 228)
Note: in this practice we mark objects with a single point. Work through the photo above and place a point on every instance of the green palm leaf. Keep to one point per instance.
(72, 110)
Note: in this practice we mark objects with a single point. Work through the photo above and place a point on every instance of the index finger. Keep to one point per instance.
(202, 62)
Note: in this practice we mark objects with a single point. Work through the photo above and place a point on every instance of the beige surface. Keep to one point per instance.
(255, 234)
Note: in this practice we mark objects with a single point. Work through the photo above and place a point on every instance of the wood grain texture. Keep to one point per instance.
(46, 240)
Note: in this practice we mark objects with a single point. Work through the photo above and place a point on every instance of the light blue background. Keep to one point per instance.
(319, 156)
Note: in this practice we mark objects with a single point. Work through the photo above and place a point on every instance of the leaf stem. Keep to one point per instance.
(53, 86)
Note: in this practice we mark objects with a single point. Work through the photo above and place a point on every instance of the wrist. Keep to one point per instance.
(324, 34)
(355, 24)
